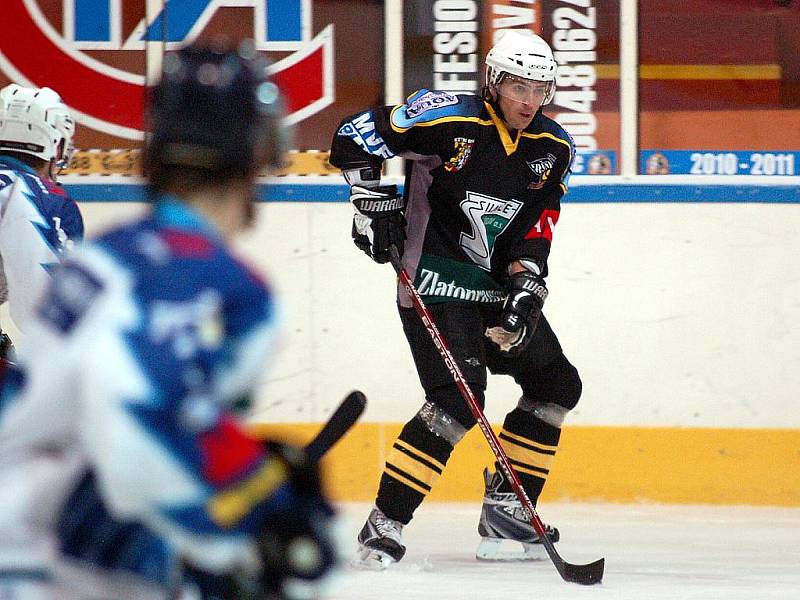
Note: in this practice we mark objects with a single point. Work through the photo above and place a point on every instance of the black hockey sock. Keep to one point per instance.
(531, 445)
(415, 462)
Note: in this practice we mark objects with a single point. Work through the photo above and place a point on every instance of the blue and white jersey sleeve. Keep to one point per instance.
(38, 224)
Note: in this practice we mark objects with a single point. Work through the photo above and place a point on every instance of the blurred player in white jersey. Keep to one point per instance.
(38, 220)
(124, 470)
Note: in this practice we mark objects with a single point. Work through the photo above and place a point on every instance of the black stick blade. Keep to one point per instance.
(583, 574)
(342, 419)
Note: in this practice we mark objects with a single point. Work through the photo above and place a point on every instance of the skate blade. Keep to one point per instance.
(496, 549)
(371, 559)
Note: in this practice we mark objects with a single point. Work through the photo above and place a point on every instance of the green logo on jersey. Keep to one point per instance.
(443, 280)
(489, 218)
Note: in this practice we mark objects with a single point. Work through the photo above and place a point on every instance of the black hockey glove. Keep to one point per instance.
(296, 544)
(526, 295)
(378, 222)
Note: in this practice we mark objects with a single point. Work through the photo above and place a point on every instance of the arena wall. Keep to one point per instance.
(680, 317)
(677, 302)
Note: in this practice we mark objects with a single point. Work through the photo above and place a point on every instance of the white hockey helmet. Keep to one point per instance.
(525, 55)
(37, 122)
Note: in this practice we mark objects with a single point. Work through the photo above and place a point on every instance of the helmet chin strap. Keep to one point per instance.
(487, 95)
(53, 170)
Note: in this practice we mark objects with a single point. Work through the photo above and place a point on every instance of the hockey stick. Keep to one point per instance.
(588, 574)
(340, 422)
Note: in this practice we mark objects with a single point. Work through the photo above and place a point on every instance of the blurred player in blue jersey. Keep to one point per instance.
(124, 471)
(38, 221)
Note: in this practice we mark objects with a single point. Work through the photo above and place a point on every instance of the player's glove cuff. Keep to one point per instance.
(378, 223)
(378, 202)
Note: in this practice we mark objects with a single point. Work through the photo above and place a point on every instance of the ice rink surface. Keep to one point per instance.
(652, 552)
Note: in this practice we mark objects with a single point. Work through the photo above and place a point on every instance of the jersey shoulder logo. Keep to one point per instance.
(425, 101)
(463, 147)
(426, 107)
(541, 168)
(489, 218)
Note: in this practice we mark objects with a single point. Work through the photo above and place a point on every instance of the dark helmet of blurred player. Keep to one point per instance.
(521, 69)
(36, 127)
(214, 116)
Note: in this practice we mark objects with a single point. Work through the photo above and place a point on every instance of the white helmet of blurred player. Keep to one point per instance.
(36, 122)
(523, 56)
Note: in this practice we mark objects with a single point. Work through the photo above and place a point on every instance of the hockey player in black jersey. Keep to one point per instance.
(474, 227)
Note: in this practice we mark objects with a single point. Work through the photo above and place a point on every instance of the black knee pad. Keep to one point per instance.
(557, 382)
(449, 399)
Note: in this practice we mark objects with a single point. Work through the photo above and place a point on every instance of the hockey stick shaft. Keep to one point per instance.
(583, 574)
(340, 422)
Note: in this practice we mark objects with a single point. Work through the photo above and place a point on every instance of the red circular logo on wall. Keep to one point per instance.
(95, 53)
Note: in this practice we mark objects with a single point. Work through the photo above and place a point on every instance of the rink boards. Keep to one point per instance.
(602, 463)
(677, 302)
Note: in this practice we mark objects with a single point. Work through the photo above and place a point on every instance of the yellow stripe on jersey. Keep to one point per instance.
(407, 482)
(412, 467)
(536, 136)
(509, 145)
(439, 121)
(528, 442)
(426, 457)
(528, 456)
(228, 507)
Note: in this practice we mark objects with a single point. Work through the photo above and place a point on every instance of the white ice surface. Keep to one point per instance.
(652, 552)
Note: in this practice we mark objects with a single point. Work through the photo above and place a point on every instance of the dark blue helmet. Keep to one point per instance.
(215, 110)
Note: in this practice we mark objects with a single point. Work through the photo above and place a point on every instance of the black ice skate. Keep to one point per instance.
(379, 542)
(504, 525)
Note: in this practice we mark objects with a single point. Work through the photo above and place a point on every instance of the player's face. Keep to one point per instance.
(519, 99)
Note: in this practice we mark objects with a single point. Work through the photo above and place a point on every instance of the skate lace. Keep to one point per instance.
(387, 527)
